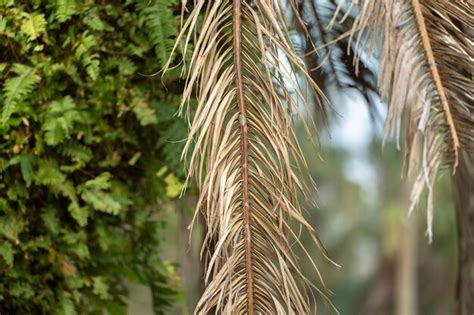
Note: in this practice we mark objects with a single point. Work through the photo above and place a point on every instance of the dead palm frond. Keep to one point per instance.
(425, 75)
(242, 152)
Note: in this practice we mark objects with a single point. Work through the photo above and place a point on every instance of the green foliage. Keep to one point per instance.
(84, 137)
(156, 19)
(16, 88)
(33, 25)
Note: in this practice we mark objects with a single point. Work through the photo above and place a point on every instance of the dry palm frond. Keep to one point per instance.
(243, 153)
(426, 67)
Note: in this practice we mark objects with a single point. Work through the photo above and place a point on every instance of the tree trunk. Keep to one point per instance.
(463, 193)
(406, 294)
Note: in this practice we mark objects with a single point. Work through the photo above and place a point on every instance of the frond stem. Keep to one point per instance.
(436, 76)
(237, 23)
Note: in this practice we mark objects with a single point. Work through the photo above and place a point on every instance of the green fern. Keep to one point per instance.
(100, 288)
(101, 195)
(76, 151)
(158, 18)
(33, 25)
(91, 61)
(49, 173)
(92, 68)
(26, 163)
(11, 226)
(85, 44)
(60, 120)
(93, 20)
(17, 88)
(22, 290)
(125, 65)
(66, 306)
(78, 213)
(6, 252)
(64, 9)
(67, 115)
(144, 112)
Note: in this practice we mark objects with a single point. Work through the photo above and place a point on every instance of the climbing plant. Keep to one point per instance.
(88, 154)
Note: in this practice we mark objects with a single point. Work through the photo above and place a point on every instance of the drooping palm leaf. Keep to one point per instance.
(243, 153)
(425, 75)
(331, 59)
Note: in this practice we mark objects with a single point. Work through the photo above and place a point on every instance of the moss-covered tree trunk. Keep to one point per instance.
(464, 202)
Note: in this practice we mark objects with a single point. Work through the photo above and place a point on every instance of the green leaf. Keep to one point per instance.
(34, 25)
(93, 20)
(173, 186)
(101, 288)
(3, 65)
(54, 134)
(77, 152)
(26, 164)
(160, 23)
(48, 173)
(125, 65)
(100, 182)
(74, 282)
(93, 69)
(6, 251)
(27, 168)
(99, 195)
(10, 226)
(134, 158)
(80, 214)
(51, 221)
(84, 45)
(66, 306)
(81, 250)
(23, 290)
(3, 204)
(17, 88)
(60, 120)
(64, 9)
(144, 111)
(102, 201)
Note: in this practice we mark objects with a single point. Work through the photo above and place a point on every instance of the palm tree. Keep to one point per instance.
(242, 150)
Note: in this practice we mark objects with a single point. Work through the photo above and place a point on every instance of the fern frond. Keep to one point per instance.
(243, 153)
(79, 153)
(34, 25)
(144, 112)
(159, 20)
(426, 76)
(93, 21)
(15, 89)
(62, 114)
(64, 9)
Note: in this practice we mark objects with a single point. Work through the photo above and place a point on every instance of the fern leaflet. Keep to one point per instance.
(17, 88)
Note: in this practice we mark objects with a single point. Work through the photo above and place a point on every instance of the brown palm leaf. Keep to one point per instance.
(426, 77)
(243, 153)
